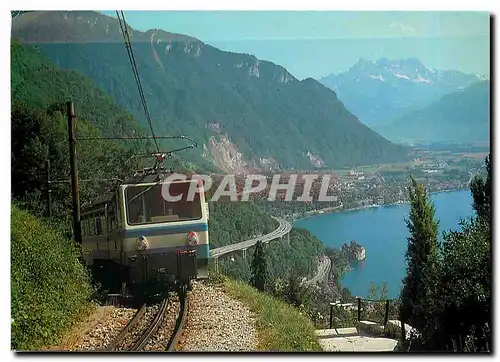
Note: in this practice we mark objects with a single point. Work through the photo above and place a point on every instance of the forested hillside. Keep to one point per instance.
(197, 90)
(232, 222)
(39, 133)
(38, 83)
(285, 261)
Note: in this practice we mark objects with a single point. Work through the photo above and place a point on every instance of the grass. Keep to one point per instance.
(50, 289)
(280, 327)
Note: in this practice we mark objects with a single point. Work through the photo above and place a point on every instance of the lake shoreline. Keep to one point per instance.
(331, 210)
(381, 243)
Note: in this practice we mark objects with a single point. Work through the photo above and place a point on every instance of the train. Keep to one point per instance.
(137, 241)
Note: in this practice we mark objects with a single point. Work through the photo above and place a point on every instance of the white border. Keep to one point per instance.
(486, 5)
(412, 5)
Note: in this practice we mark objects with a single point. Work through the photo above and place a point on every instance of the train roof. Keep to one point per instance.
(138, 178)
(152, 178)
(98, 202)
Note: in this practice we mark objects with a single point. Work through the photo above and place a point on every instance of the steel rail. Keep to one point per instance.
(153, 326)
(115, 343)
(181, 320)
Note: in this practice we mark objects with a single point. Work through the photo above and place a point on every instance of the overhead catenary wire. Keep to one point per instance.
(169, 152)
(138, 138)
(130, 52)
(90, 180)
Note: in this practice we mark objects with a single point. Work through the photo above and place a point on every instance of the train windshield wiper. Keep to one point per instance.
(143, 192)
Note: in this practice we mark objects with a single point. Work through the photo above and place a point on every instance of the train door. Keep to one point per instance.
(107, 230)
(113, 237)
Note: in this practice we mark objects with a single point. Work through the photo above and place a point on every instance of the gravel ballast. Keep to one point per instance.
(217, 322)
(159, 341)
(135, 332)
(106, 329)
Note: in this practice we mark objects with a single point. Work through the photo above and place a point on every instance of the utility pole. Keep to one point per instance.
(49, 191)
(77, 231)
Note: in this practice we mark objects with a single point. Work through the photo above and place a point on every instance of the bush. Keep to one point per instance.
(49, 286)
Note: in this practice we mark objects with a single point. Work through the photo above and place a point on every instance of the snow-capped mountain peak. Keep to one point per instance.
(379, 77)
(482, 77)
(421, 79)
(410, 69)
(401, 76)
(378, 91)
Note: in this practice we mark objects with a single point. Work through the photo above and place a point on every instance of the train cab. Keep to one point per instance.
(149, 233)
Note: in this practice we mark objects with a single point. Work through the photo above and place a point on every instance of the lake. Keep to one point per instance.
(383, 232)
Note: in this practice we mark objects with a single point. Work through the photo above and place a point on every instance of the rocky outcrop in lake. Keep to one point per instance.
(354, 251)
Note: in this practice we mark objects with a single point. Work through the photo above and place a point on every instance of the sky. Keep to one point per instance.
(317, 43)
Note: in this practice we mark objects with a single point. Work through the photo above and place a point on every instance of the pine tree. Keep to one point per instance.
(464, 321)
(481, 194)
(259, 267)
(454, 313)
(420, 283)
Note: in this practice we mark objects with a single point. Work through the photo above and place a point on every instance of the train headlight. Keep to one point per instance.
(192, 238)
(142, 243)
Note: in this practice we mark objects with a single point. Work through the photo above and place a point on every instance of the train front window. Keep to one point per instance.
(146, 205)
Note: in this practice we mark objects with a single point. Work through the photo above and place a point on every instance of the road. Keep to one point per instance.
(323, 270)
(470, 178)
(283, 229)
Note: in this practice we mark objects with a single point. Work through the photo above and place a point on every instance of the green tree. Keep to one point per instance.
(457, 315)
(419, 284)
(481, 194)
(294, 290)
(463, 321)
(464, 316)
(259, 267)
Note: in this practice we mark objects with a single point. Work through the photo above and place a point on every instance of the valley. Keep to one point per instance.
(380, 133)
(386, 184)
(247, 114)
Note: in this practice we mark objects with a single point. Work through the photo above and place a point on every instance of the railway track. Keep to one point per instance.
(179, 324)
(146, 334)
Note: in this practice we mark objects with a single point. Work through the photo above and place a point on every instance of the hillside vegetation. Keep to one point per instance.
(49, 287)
(285, 261)
(232, 222)
(197, 90)
(280, 327)
(446, 292)
(40, 132)
(38, 83)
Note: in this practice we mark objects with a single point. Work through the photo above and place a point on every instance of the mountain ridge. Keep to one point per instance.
(462, 116)
(381, 91)
(263, 110)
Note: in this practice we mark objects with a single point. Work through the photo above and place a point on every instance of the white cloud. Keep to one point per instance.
(405, 29)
